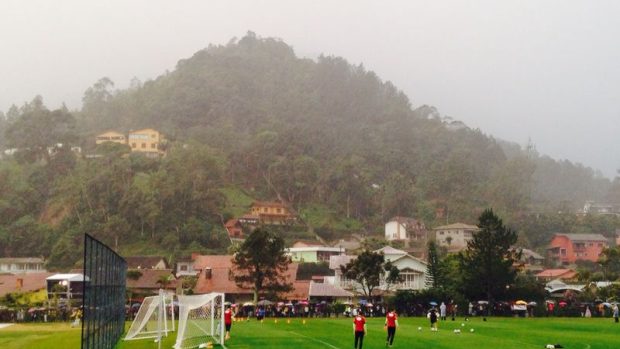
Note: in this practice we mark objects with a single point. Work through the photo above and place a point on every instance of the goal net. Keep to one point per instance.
(155, 318)
(201, 321)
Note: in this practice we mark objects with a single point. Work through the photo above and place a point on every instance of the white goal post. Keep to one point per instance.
(154, 318)
(201, 321)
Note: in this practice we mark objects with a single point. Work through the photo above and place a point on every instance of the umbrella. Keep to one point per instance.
(520, 302)
(369, 305)
(303, 302)
(608, 305)
(289, 304)
(248, 304)
(234, 305)
(226, 303)
(532, 304)
(280, 304)
(483, 302)
(562, 303)
(433, 303)
(264, 302)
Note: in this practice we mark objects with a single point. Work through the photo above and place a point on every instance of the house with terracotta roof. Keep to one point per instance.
(313, 254)
(22, 283)
(234, 228)
(454, 236)
(216, 274)
(146, 262)
(553, 274)
(565, 249)
(147, 282)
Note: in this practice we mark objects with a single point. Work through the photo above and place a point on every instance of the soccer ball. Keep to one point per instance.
(457, 331)
(462, 324)
(471, 330)
(419, 328)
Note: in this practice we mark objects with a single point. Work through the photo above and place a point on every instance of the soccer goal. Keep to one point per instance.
(154, 319)
(201, 321)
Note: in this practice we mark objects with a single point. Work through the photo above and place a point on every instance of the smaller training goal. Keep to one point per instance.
(201, 321)
(154, 319)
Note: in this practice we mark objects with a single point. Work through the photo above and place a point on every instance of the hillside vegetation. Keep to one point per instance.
(251, 121)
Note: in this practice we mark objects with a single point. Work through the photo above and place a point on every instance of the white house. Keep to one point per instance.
(455, 236)
(22, 265)
(412, 270)
(405, 228)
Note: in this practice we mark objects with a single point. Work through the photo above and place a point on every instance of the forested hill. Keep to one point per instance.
(250, 120)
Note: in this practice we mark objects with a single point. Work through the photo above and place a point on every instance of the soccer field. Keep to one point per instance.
(497, 333)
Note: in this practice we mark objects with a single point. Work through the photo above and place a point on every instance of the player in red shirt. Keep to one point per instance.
(359, 329)
(391, 322)
(228, 318)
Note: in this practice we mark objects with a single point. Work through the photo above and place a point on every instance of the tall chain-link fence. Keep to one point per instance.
(104, 295)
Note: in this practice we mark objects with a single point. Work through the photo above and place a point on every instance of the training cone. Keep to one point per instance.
(303, 322)
(275, 321)
(288, 321)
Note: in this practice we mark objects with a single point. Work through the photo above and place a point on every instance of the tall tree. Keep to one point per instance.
(434, 271)
(487, 264)
(261, 264)
(368, 270)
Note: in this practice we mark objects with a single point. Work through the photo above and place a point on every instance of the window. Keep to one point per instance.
(441, 233)
(265, 209)
(279, 210)
(183, 267)
(133, 145)
(563, 251)
(143, 145)
(153, 145)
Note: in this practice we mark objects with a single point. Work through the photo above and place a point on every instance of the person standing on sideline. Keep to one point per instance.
(616, 312)
(359, 329)
(228, 319)
(391, 322)
(432, 315)
(442, 311)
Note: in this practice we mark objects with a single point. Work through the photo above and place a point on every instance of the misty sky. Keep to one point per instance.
(548, 71)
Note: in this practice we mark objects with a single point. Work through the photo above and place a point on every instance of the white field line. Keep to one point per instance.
(5, 325)
(314, 339)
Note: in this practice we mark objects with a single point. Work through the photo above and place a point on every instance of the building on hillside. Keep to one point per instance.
(110, 137)
(313, 254)
(273, 212)
(68, 286)
(234, 228)
(185, 267)
(146, 141)
(351, 244)
(216, 274)
(22, 265)
(146, 262)
(596, 208)
(406, 229)
(412, 270)
(147, 282)
(553, 274)
(565, 249)
(325, 292)
(529, 261)
(23, 283)
(454, 236)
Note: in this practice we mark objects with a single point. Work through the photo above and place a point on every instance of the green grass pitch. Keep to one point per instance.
(496, 333)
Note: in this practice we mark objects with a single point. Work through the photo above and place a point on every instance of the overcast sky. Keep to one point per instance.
(548, 71)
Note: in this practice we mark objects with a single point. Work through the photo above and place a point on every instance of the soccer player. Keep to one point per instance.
(391, 322)
(228, 317)
(359, 329)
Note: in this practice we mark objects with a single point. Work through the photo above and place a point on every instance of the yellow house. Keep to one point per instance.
(147, 141)
(272, 212)
(111, 136)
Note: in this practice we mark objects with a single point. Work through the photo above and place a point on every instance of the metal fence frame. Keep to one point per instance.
(104, 295)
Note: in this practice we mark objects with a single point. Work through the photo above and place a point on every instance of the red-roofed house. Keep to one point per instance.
(216, 274)
(12, 283)
(568, 248)
(234, 229)
(149, 281)
(552, 274)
